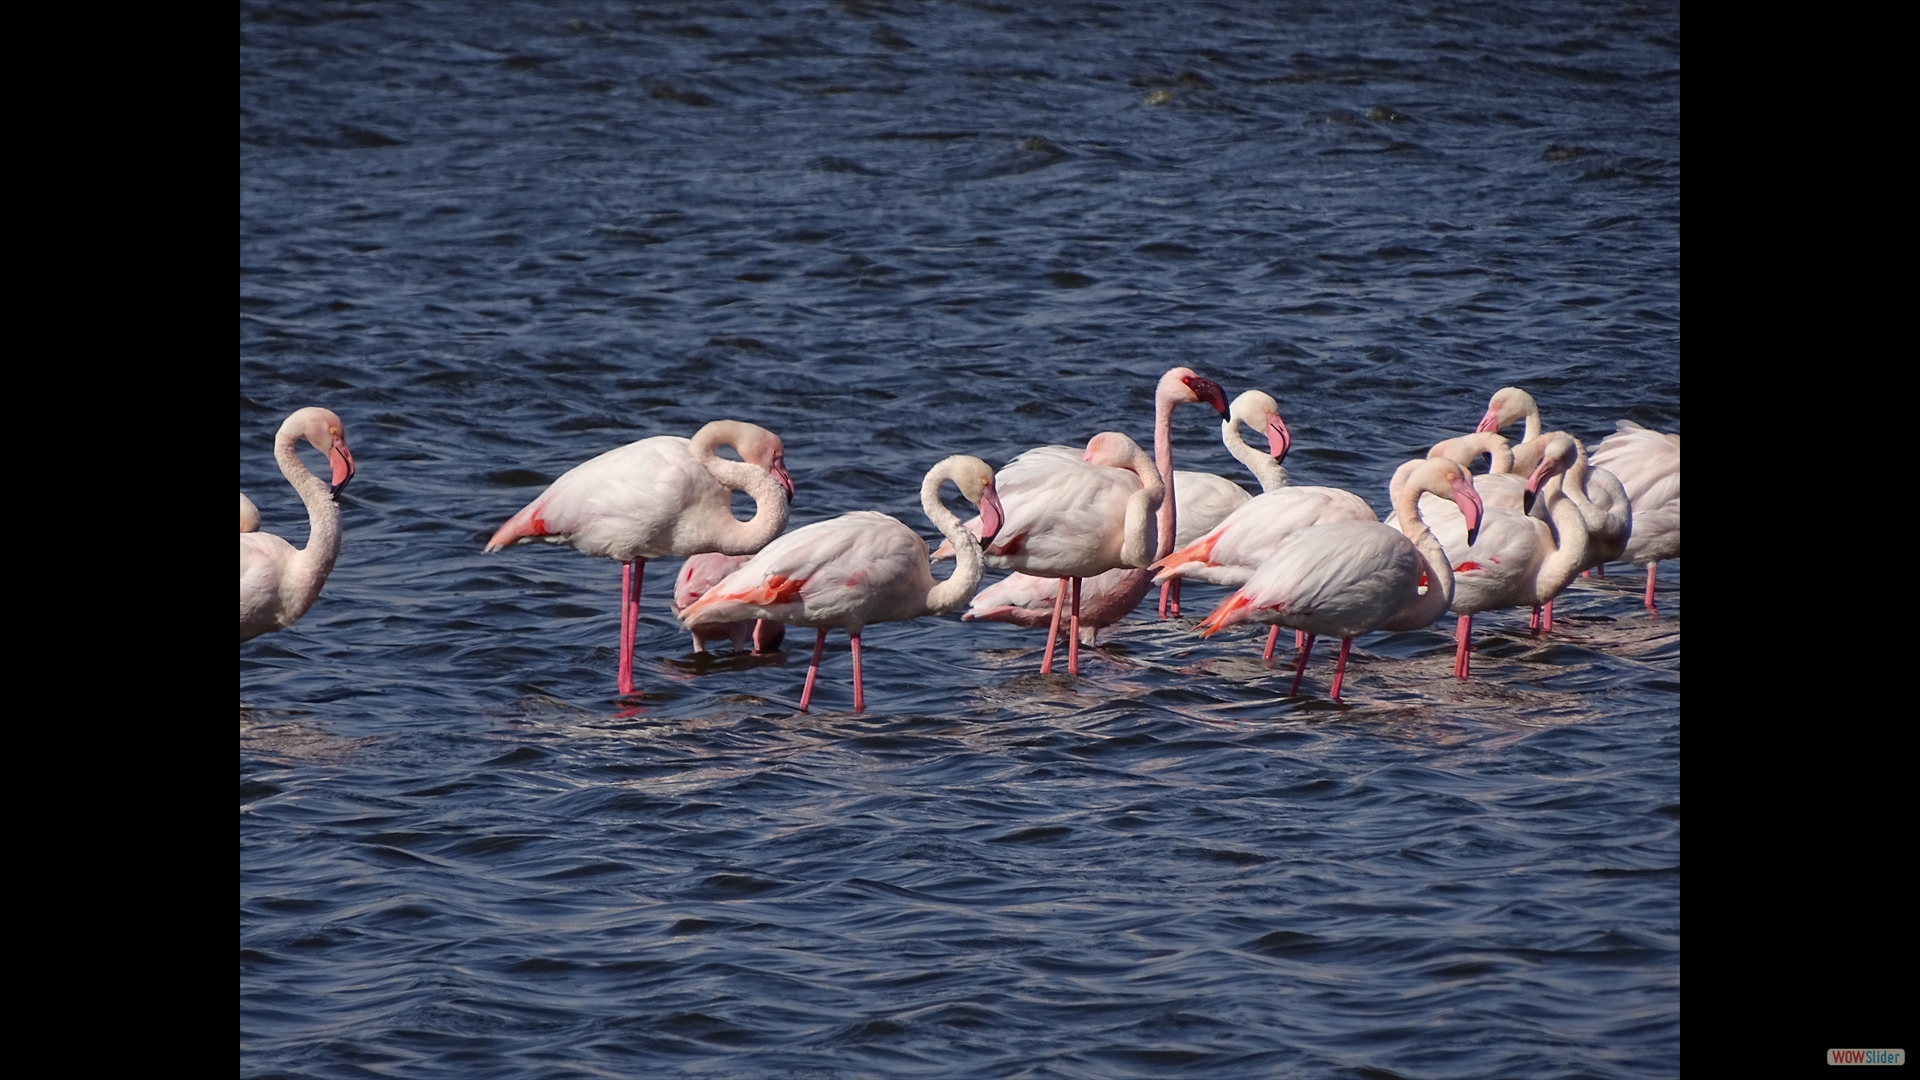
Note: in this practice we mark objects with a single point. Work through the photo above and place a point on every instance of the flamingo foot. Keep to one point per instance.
(1053, 628)
(813, 669)
(859, 699)
(1300, 668)
(1273, 636)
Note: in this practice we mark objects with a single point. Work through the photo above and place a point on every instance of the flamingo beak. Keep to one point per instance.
(1490, 422)
(1208, 391)
(1279, 439)
(1535, 479)
(992, 514)
(1468, 500)
(342, 459)
(779, 472)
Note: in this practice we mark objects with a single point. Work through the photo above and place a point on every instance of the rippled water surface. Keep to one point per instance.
(499, 239)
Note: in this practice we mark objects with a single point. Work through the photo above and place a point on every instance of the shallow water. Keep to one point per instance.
(500, 240)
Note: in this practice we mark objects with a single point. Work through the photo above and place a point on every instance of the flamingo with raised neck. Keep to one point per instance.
(278, 582)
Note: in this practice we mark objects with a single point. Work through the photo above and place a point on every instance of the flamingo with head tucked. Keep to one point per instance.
(278, 582)
(701, 573)
(1509, 405)
(857, 569)
(660, 497)
(1351, 577)
(1648, 465)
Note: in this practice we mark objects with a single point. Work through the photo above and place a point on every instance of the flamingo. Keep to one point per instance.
(277, 582)
(1208, 499)
(1509, 405)
(660, 497)
(249, 515)
(1205, 500)
(1352, 577)
(701, 573)
(1516, 559)
(856, 569)
(1648, 465)
(1033, 475)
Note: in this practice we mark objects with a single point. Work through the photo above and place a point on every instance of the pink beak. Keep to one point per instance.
(1468, 500)
(1279, 439)
(342, 459)
(1490, 422)
(992, 515)
(779, 472)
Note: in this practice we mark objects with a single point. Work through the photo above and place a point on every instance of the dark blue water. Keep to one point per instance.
(500, 239)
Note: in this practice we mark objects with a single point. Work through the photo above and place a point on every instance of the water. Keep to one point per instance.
(500, 239)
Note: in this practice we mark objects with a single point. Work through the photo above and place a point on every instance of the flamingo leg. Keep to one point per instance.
(631, 574)
(813, 669)
(1300, 667)
(1600, 571)
(759, 635)
(1299, 640)
(1533, 620)
(1546, 618)
(1273, 636)
(1165, 588)
(859, 699)
(1176, 596)
(1464, 635)
(1053, 628)
(1650, 608)
(1073, 633)
(1340, 669)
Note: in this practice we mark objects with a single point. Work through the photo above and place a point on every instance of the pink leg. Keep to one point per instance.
(1340, 669)
(1601, 570)
(631, 574)
(1299, 640)
(1650, 609)
(1300, 667)
(1546, 618)
(1464, 635)
(1053, 628)
(859, 699)
(1073, 633)
(1273, 635)
(1176, 596)
(1166, 587)
(1533, 620)
(813, 670)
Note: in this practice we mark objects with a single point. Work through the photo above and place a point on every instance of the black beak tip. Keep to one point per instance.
(1526, 502)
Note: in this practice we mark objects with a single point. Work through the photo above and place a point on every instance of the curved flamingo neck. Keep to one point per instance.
(1565, 501)
(1433, 604)
(314, 562)
(1271, 475)
(1139, 546)
(953, 593)
(1163, 402)
(728, 534)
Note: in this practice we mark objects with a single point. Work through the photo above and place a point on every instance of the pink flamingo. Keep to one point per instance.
(1352, 577)
(1509, 405)
(701, 573)
(660, 497)
(1034, 472)
(1206, 499)
(857, 569)
(1648, 465)
(249, 515)
(277, 582)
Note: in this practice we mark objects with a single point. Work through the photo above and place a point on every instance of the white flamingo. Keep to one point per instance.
(278, 582)
(1648, 465)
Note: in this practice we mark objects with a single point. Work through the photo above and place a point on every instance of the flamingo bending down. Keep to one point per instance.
(660, 497)
(278, 583)
(1508, 405)
(1648, 465)
(1206, 499)
(1038, 471)
(701, 573)
(857, 569)
(1351, 577)
(249, 515)
(1516, 560)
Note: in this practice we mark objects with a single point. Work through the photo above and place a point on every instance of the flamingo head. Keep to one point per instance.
(1257, 409)
(1508, 404)
(1112, 449)
(1557, 453)
(975, 480)
(327, 433)
(1448, 480)
(761, 447)
(1183, 386)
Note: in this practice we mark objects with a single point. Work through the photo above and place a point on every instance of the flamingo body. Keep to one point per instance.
(279, 582)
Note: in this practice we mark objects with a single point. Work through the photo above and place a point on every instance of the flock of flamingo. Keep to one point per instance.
(1102, 524)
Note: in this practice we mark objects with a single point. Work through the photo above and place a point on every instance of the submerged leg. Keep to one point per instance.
(1650, 608)
(1300, 667)
(1053, 628)
(813, 669)
(1073, 633)
(1273, 636)
(859, 699)
(1340, 669)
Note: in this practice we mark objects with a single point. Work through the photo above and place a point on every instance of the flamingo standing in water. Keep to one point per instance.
(1352, 577)
(701, 573)
(278, 583)
(1025, 600)
(660, 497)
(1648, 465)
(856, 569)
